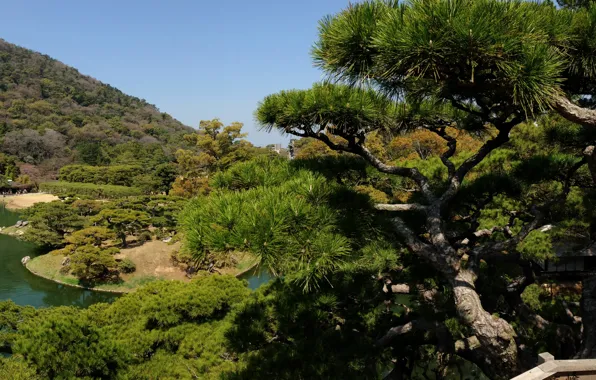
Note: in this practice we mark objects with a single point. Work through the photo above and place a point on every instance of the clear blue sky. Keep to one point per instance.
(193, 59)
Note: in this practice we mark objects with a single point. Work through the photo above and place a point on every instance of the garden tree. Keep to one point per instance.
(94, 236)
(8, 166)
(50, 222)
(218, 147)
(476, 65)
(4, 184)
(65, 342)
(11, 316)
(146, 183)
(162, 209)
(86, 207)
(164, 330)
(90, 263)
(123, 221)
(165, 175)
(301, 226)
(120, 175)
(189, 187)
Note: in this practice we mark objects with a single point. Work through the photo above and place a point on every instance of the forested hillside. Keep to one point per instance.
(52, 115)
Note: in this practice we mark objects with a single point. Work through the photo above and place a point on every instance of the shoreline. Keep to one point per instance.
(72, 285)
(96, 289)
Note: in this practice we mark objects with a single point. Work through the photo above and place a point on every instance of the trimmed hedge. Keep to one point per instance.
(89, 189)
(120, 175)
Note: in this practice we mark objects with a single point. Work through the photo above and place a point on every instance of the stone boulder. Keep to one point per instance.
(25, 260)
(19, 224)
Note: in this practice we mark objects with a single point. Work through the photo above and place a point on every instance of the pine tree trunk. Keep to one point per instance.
(590, 154)
(498, 349)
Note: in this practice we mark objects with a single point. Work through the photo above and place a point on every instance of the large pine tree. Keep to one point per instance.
(482, 65)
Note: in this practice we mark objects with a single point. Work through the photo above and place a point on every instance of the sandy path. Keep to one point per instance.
(17, 202)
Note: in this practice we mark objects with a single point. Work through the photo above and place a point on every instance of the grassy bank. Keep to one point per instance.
(152, 259)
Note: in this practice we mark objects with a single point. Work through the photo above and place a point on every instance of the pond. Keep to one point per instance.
(256, 278)
(23, 288)
(20, 286)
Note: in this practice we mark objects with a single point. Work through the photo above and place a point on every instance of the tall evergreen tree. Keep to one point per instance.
(484, 65)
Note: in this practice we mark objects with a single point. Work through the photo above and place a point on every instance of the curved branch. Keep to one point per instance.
(492, 144)
(575, 113)
(394, 332)
(363, 152)
(444, 263)
(451, 145)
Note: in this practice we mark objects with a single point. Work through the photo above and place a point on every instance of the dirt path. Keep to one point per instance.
(18, 202)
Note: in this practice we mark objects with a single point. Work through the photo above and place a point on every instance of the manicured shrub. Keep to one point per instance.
(126, 265)
(89, 189)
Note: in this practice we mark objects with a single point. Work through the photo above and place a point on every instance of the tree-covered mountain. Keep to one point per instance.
(52, 115)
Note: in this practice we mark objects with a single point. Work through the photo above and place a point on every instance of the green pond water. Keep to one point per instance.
(23, 288)
(20, 286)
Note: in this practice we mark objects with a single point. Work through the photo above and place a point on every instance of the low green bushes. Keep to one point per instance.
(89, 189)
(120, 175)
(126, 265)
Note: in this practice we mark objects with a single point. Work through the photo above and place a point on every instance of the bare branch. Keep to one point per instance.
(492, 144)
(396, 288)
(394, 332)
(400, 207)
(359, 149)
(575, 113)
(451, 145)
(467, 109)
(427, 294)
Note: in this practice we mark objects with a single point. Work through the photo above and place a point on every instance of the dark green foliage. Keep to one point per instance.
(279, 224)
(119, 175)
(11, 317)
(165, 175)
(126, 266)
(163, 210)
(90, 263)
(123, 222)
(50, 222)
(8, 167)
(296, 222)
(91, 153)
(89, 189)
(65, 343)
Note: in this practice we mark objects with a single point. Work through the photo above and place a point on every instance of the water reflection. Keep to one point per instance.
(24, 288)
(256, 277)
